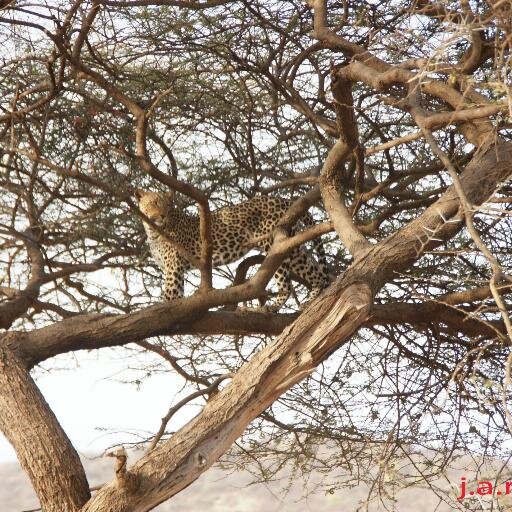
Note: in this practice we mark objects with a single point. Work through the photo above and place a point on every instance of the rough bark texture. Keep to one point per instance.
(111, 103)
(293, 356)
(300, 347)
(51, 461)
(42, 447)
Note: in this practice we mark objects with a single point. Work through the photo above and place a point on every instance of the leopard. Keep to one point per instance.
(235, 230)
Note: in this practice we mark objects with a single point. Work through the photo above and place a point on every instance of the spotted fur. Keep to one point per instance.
(232, 230)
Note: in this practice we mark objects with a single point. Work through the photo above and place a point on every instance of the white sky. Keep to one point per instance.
(91, 396)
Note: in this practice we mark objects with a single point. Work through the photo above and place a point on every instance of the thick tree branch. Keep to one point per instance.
(42, 447)
(20, 302)
(331, 185)
(301, 346)
(432, 312)
(185, 316)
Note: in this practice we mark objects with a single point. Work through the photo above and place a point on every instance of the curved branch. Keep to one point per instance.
(301, 346)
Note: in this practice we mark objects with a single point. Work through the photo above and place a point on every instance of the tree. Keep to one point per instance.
(391, 121)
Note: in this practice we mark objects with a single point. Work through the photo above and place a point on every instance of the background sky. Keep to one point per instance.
(90, 391)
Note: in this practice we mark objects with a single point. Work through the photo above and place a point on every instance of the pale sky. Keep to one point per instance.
(90, 395)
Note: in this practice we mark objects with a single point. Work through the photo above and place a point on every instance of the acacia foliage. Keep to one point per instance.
(238, 102)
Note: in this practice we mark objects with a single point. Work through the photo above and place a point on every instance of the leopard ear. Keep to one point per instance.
(170, 195)
(139, 192)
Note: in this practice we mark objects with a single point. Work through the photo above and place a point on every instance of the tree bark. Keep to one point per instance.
(50, 460)
(43, 449)
(295, 353)
(46, 453)
(327, 323)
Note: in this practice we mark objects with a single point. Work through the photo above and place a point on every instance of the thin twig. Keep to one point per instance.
(175, 408)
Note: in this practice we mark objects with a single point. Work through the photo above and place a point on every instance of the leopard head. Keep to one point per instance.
(154, 205)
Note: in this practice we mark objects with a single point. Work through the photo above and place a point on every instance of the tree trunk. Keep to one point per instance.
(295, 353)
(42, 447)
(328, 322)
